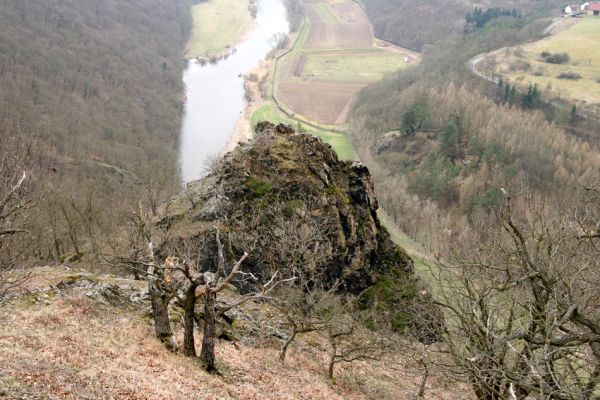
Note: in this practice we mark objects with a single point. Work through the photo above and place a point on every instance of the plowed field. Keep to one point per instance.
(338, 25)
(318, 101)
(334, 57)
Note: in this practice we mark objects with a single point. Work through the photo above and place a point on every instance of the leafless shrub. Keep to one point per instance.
(555, 58)
(213, 164)
(520, 66)
(16, 205)
(575, 76)
(252, 77)
(521, 303)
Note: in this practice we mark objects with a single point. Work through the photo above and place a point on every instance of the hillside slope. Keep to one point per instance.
(93, 77)
(74, 335)
(414, 23)
(96, 86)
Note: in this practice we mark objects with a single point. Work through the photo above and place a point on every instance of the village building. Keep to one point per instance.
(575, 9)
(594, 9)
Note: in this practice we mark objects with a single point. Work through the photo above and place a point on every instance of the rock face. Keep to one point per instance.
(283, 178)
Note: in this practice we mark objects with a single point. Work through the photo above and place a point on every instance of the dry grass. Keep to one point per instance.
(218, 24)
(75, 348)
(581, 41)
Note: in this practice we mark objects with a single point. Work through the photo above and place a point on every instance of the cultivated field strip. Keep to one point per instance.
(334, 57)
(319, 101)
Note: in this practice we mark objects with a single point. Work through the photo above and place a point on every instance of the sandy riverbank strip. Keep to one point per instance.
(257, 98)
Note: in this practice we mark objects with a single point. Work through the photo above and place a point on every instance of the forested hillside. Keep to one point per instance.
(413, 24)
(442, 142)
(95, 86)
(498, 187)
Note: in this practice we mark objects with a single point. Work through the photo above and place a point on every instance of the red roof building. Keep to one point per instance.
(594, 9)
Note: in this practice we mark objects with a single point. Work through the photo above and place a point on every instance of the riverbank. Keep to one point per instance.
(255, 90)
(215, 93)
(259, 85)
(219, 26)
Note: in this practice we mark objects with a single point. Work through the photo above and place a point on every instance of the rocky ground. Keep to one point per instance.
(75, 335)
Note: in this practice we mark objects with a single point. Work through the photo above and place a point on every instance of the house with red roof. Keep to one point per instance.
(594, 8)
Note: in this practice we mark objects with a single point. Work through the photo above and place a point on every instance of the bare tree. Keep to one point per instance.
(522, 305)
(143, 261)
(349, 339)
(305, 309)
(16, 203)
(206, 284)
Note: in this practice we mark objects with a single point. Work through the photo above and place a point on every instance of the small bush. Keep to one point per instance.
(556, 58)
(258, 187)
(291, 206)
(252, 77)
(400, 320)
(598, 80)
(520, 66)
(388, 292)
(569, 75)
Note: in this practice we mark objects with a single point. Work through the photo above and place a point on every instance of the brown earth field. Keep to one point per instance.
(341, 36)
(319, 101)
(341, 25)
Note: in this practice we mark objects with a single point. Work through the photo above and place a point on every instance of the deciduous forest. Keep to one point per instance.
(93, 89)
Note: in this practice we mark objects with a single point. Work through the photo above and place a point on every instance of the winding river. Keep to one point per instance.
(215, 92)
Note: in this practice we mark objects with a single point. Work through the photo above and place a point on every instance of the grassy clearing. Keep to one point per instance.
(424, 266)
(340, 142)
(217, 24)
(581, 42)
(353, 65)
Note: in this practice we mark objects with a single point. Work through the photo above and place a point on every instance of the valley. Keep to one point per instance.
(299, 199)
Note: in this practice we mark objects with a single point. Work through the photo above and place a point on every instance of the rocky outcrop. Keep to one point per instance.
(284, 176)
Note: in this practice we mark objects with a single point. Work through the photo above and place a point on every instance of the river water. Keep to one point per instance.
(215, 92)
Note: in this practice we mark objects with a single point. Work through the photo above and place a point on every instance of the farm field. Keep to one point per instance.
(525, 65)
(335, 55)
(340, 142)
(217, 25)
(354, 65)
(319, 101)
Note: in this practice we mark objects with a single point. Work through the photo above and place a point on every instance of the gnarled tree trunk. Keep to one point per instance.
(160, 309)
(189, 345)
(207, 354)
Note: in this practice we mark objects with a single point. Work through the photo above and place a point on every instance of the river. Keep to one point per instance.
(215, 92)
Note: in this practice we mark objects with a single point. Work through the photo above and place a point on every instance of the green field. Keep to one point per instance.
(360, 66)
(340, 142)
(581, 42)
(217, 24)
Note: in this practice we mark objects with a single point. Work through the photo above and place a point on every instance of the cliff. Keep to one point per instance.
(283, 177)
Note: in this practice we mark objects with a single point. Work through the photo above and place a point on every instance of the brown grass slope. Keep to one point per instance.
(73, 343)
